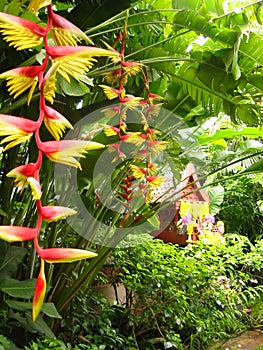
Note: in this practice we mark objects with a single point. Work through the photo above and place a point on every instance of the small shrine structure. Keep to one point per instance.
(187, 214)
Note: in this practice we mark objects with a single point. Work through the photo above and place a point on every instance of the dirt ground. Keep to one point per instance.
(250, 340)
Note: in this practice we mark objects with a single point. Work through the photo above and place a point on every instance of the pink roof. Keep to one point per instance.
(172, 191)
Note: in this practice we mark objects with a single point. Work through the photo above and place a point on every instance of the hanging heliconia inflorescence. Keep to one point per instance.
(142, 171)
(69, 59)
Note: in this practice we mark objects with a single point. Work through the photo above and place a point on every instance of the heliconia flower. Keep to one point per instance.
(132, 102)
(36, 5)
(17, 129)
(129, 137)
(66, 33)
(157, 146)
(35, 188)
(131, 68)
(111, 92)
(22, 173)
(66, 151)
(49, 83)
(17, 233)
(55, 122)
(151, 169)
(111, 130)
(21, 79)
(55, 213)
(150, 134)
(154, 181)
(112, 77)
(126, 196)
(76, 59)
(155, 97)
(39, 292)
(137, 171)
(21, 33)
(64, 255)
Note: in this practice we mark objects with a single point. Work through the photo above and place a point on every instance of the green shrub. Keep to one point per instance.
(92, 324)
(241, 209)
(191, 294)
(176, 298)
(47, 343)
(4, 343)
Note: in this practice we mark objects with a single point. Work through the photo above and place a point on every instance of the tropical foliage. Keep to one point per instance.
(175, 298)
(178, 63)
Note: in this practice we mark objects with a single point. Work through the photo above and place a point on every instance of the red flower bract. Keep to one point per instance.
(62, 255)
(39, 292)
(17, 233)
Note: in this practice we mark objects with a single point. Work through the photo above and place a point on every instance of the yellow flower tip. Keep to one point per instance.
(39, 293)
(49, 83)
(19, 32)
(154, 181)
(17, 233)
(132, 68)
(108, 131)
(66, 33)
(66, 151)
(115, 57)
(32, 89)
(55, 213)
(21, 79)
(137, 171)
(76, 60)
(112, 77)
(55, 122)
(15, 140)
(157, 146)
(110, 92)
(35, 188)
(35, 5)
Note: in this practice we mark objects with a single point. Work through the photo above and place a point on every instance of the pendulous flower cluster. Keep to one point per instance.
(68, 59)
(143, 172)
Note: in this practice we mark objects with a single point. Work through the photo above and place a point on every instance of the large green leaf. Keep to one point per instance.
(47, 308)
(201, 93)
(39, 326)
(216, 197)
(252, 49)
(255, 168)
(203, 25)
(18, 289)
(11, 257)
(230, 133)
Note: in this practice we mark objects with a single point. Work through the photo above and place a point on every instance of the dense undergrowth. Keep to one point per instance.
(176, 298)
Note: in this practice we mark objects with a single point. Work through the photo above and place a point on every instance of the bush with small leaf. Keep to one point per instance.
(47, 343)
(92, 324)
(189, 296)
